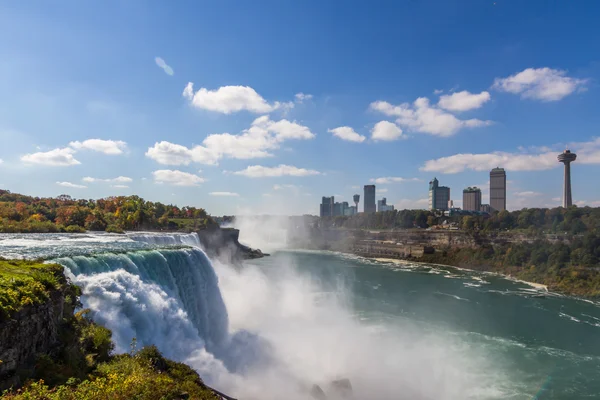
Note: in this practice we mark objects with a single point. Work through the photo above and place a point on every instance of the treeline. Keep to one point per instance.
(570, 266)
(573, 220)
(20, 213)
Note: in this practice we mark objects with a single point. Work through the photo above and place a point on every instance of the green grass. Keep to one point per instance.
(25, 283)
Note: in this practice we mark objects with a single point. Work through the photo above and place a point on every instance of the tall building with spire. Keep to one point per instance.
(498, 189)
(439, 196)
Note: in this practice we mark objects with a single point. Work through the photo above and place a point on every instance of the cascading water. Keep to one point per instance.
(163, 239)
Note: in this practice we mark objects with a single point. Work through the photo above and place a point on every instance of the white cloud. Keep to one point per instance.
(484, 162)
(300, 97)
(70, 185)
(258, 171)
(532, 159)
(411, 204)
(162, 64)
(118, 179)
(267, 195)
(355, 187)
(347, 133)
(255, 142)
(392, 179)
(177, 178)
(420, 116)
(224, 194)
(438, 91)
(288, 186)
(527, 194)
(1, 161)
(544, 84)
(230, 99)
(385, 130)
(382, 190)
(111, 147)
(120, 186)
(463, 101)
(58, 157)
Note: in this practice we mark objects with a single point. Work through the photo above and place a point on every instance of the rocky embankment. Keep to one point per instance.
(224, 243)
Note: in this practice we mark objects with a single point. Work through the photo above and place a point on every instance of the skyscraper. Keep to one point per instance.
(369, 203)
(472, 199)
(498, 189)
(439, 196)
(567, 158)
(327, 206)
(383, 206)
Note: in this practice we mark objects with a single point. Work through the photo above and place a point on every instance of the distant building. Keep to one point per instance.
(471, 199)
(439, 196)
(350, 211)
(485, 208)
(327, 206)
(369, 203)
(382, 205)
(498, 189)
(450, 204)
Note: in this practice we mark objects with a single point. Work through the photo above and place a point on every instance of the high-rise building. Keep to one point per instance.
(369, 206)
(498, 189)
(383, 206)
(472, 199)
(439, 196)
(327, 206)
(567, 158)
(350, 211)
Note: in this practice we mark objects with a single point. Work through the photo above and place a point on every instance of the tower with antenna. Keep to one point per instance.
(356, 200)
(566, 157)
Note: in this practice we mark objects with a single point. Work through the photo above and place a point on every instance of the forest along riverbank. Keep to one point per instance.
(561, 263)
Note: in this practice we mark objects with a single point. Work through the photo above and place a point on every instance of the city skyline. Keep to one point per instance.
(249, 109)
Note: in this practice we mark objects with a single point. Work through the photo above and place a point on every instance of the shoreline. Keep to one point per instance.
(537, 286)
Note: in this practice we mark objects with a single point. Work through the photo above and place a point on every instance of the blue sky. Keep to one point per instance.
(264, 107)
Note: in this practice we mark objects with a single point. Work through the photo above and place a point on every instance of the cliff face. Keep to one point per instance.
(29, 332)
(224, 242)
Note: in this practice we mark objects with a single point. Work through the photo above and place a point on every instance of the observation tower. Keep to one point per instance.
(566, 157)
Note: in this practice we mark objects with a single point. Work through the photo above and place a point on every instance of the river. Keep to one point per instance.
(277, 325)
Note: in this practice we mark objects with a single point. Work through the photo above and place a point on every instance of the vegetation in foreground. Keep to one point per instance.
(24, 283)
(567, 267)
(82, 365)
(26, 214)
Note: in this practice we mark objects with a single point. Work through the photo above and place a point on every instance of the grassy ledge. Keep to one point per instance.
(81, 363)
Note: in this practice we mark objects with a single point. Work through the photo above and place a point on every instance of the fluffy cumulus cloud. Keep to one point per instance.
(71, 185)
(385, 130)
(230, 99)
(258, 171)
(111, 147)
(162, 64)
(224, 194)
(257, 141)
(392, 179)
(118, 179)
(347, 133)
(421, 116)
(486, 161)
(176, 178)
(536, 159)
(119, 186)
(301, 97)
(463, 101)
(61, 157)
(544, 84)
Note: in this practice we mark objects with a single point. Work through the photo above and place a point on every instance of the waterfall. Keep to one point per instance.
(166, 239)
